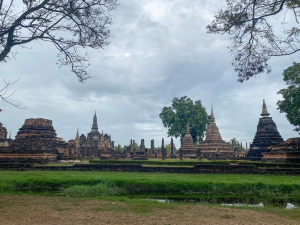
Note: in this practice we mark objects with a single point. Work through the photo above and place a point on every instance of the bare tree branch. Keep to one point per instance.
(4, 96)
(68, 24)
(253, 39)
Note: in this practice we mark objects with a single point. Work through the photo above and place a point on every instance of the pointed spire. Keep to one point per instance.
(187, 131)
(77, 134)
(95, 125)
(264, 110)
(9, 135)
(212, 118)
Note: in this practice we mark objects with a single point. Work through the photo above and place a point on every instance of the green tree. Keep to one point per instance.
(183, 110)
(254, 39)
(136, 146)
(291, 95)
(234, 143)
(168, 147)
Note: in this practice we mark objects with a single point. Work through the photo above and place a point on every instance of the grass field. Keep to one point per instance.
(28, 210)
(269, 189)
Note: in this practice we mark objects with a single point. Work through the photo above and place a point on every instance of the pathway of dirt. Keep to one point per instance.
(25, 210)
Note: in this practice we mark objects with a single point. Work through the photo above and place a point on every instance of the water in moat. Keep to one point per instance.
(216, 201)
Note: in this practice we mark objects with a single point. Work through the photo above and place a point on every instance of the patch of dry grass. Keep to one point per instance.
(32, 210)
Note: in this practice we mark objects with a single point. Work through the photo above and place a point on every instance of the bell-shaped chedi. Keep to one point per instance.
(266, 135)
(187, 145)
(214, 147)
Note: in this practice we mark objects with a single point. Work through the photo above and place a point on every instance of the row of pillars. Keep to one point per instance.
(240, 145)
(142, 147)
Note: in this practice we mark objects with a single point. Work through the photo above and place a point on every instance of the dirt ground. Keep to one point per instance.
(25, 210)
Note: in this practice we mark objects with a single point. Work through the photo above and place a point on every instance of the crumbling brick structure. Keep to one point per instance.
(266, 135)
(214, 147)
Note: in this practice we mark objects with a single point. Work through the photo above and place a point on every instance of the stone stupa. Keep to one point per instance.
(214, 147)
(266, 135)
(187, 145)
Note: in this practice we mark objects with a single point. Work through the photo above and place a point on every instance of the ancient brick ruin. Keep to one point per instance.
(96, 144)
(214, 147)
(285, 152)
(3, 132)
(187, 145)
(4, 141)
(266, 135)
(35, 142)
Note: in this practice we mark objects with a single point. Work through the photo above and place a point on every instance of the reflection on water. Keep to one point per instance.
(239, 205)
(288, 205)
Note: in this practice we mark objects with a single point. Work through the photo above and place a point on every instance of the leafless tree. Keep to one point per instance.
(4, 94)
(68, 24)
(254, 39)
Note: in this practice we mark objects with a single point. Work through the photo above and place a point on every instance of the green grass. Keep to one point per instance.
(267, 188)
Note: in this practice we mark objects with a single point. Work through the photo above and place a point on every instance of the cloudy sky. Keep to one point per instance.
(160, 50)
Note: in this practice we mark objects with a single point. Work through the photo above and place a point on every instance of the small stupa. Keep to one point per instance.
(187, 145)
(214, 147)
(266, 135)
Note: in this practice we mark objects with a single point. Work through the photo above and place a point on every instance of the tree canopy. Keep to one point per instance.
(254, 38)
(182, 111)
(67, 24)
(291, 95)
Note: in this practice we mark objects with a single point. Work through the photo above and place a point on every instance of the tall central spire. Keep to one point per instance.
(212, 118)
(265, 112)
(95, 125)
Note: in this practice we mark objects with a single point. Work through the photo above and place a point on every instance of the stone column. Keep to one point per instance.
(152, 147)
(146, 153)
(133, 146)
(142, 146)
(172, 149)
(180, 154)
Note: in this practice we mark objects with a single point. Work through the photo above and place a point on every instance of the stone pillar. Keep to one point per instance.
(130, 147)
(142, 146)
(163, 150)
(180, 154)
(241, 146)
(146, 153)
(133, 146)
(113, 144)
(172, 149)
(152, 147)
(198, 154)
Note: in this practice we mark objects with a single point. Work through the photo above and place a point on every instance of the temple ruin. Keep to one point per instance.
(187, 145)
(266, 135)
(285, 152)
(214, 147)
(35, 142)
(95, 144)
